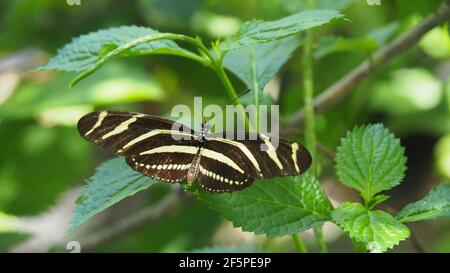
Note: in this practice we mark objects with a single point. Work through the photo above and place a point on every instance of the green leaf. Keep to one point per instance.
(259, 63)
(370, 159)
(276, 207)
(333, 44)
(258, 31)
(86, 50)
(103, 45)
(435, 204)
(113, 181)
(376, 229)
(227, 249)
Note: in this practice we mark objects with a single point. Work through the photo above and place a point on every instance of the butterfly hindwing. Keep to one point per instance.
(168, 163)
(217, 176)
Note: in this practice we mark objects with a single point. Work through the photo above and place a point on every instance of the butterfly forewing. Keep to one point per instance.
(129, 133)
(146, 142)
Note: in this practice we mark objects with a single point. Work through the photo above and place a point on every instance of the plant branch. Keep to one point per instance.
(346, 84)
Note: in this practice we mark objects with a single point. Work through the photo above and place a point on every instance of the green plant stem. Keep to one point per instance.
(308, 93)
(255, 87)
(310, 132)
(301, 247)
(232, 93)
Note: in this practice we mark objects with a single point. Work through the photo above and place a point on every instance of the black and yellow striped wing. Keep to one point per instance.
(128, 133)
(171, 152)
(153, 146)
(257, 156)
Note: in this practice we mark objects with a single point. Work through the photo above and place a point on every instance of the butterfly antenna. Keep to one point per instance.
(233, 101)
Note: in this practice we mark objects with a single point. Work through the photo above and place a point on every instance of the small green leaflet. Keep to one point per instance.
(435, 204)
(258, 31)
(370, 159)
(113, 181)
(275, 207)
(376, 229)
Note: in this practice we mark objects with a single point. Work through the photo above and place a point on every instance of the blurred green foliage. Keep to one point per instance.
(43, 156)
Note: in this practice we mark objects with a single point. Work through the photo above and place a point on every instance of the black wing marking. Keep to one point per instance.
(288, 159)
(128, 133)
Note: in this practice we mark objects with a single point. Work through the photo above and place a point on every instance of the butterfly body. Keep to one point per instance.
(172, 152)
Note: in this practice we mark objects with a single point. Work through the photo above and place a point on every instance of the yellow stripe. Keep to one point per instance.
(295, 147)
(172, 149)
(271, 151)
(222, 158)
(154, 133)
(101, 116)
(242, 147)
(193, 150)
(122, 127)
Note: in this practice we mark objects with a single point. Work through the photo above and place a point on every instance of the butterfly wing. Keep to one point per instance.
(128, 133)
(220, 173)
(168, 163)
(261, 156)
(153, 146)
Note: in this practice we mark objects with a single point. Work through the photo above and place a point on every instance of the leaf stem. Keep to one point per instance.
(218, 67)
(310, 132)
(232, 93)
(255, 87)
(308, 90)
(301, 247)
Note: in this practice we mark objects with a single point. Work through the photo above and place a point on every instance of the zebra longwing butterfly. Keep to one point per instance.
(219, 164)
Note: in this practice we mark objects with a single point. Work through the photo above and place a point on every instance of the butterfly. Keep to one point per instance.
(172, 152)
